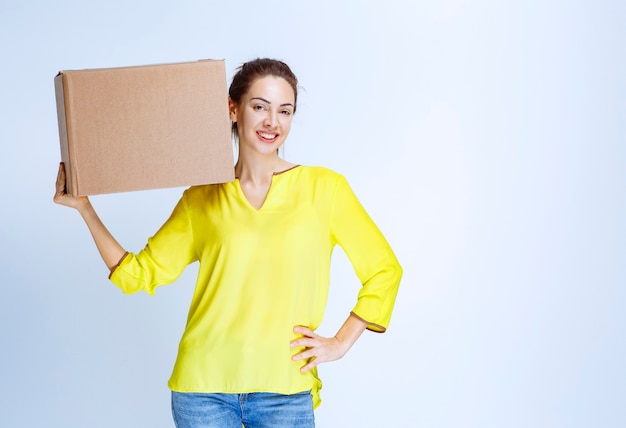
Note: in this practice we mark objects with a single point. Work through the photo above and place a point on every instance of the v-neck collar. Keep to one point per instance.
(269, 190)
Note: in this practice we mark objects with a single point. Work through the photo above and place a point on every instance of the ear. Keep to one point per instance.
(232, 110)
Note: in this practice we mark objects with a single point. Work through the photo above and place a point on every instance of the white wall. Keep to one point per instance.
(485, 138)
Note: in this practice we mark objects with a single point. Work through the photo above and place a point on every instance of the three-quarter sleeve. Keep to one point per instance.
(372, 258)
(164, 257)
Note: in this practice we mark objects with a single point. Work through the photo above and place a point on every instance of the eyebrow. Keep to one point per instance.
(266, 101)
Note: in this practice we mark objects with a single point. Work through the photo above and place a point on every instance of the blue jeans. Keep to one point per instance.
(254, 410)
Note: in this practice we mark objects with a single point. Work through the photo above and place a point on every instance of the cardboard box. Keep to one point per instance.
(144, 127)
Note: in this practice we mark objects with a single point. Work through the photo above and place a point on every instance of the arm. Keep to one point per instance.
(373, 260)
(322, 349)
(376, 267)
(110, 250)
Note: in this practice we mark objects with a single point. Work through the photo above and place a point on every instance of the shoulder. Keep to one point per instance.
(202, 193)
(203, 189)
(319, 173)
(323, 183)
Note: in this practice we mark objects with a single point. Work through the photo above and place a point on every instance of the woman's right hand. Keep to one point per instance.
(61, 196)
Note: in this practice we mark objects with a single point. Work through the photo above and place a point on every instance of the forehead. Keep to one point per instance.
(273, 89)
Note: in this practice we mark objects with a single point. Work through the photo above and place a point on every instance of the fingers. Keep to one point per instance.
(317, 349)
(60, 184)
(60, 174)
(299, 343)
(310, 343)
(308, 337)
(313, 357)
(310, 355)
(304, 342)
(304, 330)
(309, 366)
(61, 196)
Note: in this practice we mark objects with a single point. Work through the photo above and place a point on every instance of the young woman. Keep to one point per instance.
(249, 352)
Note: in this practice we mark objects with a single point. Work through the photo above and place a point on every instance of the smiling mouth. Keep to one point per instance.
(267, 136)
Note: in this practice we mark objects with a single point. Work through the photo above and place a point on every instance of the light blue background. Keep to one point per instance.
(486, 139)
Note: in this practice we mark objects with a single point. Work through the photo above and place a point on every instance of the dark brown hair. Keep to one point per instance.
(255, 69)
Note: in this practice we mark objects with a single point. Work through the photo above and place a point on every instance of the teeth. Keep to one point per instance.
(267, 136)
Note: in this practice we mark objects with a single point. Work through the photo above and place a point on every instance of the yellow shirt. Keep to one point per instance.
(261, 273)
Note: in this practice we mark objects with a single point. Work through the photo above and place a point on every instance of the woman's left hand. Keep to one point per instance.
(318, 350)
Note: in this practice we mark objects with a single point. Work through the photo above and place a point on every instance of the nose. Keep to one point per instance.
(271, 119)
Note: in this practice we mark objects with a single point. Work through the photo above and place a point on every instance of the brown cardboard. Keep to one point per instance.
(144, 127)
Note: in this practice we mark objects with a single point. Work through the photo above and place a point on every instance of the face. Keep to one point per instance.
(264, 115)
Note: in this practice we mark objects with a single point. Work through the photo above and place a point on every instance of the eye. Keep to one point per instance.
(286, 112)
(258, 107)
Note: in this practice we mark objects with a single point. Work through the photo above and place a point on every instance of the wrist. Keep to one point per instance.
(83, 205)
(343, 345)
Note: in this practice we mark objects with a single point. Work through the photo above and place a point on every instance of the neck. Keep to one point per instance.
(258, 169)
